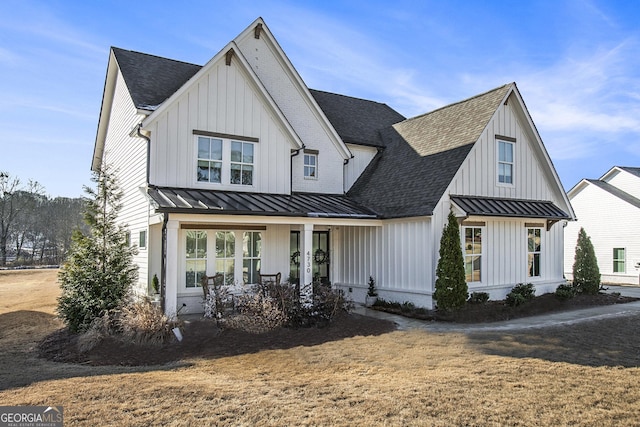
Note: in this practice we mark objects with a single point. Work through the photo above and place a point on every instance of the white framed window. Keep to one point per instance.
(534, 251)
(196, 257)
(505, 162)
(209, 159)
(224, 159)
(226, 255)
(241, 163)
(142, 239)
(251, 255)
(311, 166)
(619, 260)
(472, 253)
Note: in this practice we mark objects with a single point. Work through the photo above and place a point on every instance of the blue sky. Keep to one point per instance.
(576, 63)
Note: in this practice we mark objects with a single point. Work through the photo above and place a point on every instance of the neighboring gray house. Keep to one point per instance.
(237, 166)
(609, 210)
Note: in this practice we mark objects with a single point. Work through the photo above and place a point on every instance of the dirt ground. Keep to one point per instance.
(583, 374)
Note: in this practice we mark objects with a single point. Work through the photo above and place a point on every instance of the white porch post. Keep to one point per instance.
(171, 286)
(306, 278)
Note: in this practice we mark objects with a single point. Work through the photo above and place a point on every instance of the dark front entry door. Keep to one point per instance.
(320, 256)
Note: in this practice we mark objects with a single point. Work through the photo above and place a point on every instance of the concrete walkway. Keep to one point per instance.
(553, 319)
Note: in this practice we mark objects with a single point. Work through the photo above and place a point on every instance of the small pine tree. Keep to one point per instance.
(451, 286)
(586, 274)
(99, 270)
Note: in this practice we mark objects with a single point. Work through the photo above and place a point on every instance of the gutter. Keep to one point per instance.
(294, 153)
(163, 263)
(141, 135)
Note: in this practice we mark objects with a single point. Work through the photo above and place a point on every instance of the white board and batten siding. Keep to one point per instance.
(611, 223)
(126, 156)
(505, 239)
(224, 100)
(396, 255)
(298, 107)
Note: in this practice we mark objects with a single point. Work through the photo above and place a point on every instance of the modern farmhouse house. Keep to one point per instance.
(609, 210)
(237, 167)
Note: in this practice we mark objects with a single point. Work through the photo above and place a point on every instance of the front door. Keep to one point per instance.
(320, 256)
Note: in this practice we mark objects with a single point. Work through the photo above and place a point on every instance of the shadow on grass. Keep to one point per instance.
(21, 332)
(609, 342)
(203, 339)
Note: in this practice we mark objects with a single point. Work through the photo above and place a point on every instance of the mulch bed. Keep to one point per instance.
(202, 338)
(493, 311)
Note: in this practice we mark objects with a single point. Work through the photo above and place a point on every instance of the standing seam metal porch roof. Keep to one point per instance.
(181, 200)
(488, 206)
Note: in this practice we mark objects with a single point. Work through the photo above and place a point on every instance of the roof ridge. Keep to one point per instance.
(459, 102)
(348, 96)
(155, 56)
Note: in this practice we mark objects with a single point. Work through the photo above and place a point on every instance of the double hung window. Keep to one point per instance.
(473, 254)
(534, 250)
(505, 162)
(224, 161)
(311, 166)
(618, 260)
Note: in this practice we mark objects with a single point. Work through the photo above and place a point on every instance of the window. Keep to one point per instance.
(534, 249)
(241, 163)
(251, 251)
(618, 260)
(221, 160)
(209, 159)
(142, 241)
(473, 254)
(196, 257)
(225, 255)
(505, 162)
(311, 166)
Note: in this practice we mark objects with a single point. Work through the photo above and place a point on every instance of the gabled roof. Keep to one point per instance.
(615, 191)
(423, 154)
(215, 202)
(356, 120)
(633, 171)
(152, 79)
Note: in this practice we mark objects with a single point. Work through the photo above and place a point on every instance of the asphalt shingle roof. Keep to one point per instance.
(152, 79)
(634, 171)
(356, 120)
(422, 155)
(419, 156)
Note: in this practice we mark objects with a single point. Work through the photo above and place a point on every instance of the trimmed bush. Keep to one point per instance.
(520, 294)
(479, 298)
(565, 292)
(586, 274)
(451, 291)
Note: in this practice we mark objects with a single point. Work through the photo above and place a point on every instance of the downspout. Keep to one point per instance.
(163, 264)
(294, 153)
(141, 135)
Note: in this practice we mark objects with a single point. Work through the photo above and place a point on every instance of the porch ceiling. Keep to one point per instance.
(182, 200)
(491, 206)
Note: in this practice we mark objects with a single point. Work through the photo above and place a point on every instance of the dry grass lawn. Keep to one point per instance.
(585, 374)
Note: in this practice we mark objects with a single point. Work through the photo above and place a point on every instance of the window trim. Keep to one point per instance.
(226, 163)
(309, 154)
(623, 260)
(142, 239)
(480, 255)
(511, 142)
(211, 256)
(539, 253)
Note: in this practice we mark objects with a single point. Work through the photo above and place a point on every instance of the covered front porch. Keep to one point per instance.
(260, 235)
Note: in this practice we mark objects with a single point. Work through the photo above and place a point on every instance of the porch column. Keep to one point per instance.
(171, 286)
(306, 278)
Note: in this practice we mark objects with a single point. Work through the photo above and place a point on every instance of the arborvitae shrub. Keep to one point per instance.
(451, 286)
